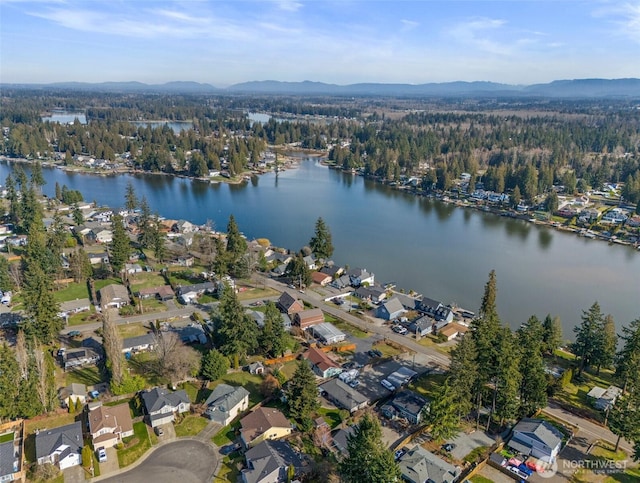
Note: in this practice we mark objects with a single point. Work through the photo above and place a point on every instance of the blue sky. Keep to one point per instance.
(340, 41)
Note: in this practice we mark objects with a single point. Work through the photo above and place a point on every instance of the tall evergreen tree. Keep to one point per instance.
(214, 365)
(120, 244)
(463, 373)
(6, 283)
(623, 418)
(533, 385)
(321, 243)
(112, 342)
(236, 331)
(443, 415)
(368, 459)
(628, 359)
(236, 244)
(146, 225)
(37, 179)
(607, 343)
(298, 271)
(508, 377)
(9, 383)
(302, 395)
(588, 335)
(552, 334)
(130, 198)
(273, 341)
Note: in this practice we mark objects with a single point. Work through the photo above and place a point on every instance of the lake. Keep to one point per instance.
(65, 117)
(438, 250)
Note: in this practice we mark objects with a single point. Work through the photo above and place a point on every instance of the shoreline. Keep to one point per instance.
(292, 161)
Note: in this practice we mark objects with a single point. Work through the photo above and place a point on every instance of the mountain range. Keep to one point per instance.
(575, 88)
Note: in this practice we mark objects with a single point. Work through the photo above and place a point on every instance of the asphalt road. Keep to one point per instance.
(184, 461)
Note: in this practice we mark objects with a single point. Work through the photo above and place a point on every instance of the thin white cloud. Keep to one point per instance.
(408, 24)
(625, 19)
(631, 21)
(476, 33)
(289, 5)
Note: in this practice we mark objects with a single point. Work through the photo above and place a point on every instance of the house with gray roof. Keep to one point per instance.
(114, 296)
(410, 405)
(341, 282)
(422, 325)
(537, 438)
(341, 440)
(11, 467)
(226, 402)
(420, 466)
(73, 392)
(140, 343)
(343, 395)
(60, 446)
(288, 304)
(162, 405)
(390, 309)
(269, 462)
(604, 399)
(74, 307)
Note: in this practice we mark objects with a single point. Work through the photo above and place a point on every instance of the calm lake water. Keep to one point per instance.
(436, 249)
(65, 117)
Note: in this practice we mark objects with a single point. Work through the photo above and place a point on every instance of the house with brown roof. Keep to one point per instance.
(321, 363)
(163, 292)
(109, 424)
(264, 424)
(114, 296)
(307, 318)
(288, 304)
(453, 330)
(321, 278)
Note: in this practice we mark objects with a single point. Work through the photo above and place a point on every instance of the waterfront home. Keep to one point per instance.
(360, 276)
(263, 424)
(321, 364)
(60, 446)
(435, 309)
(225, 403)
(453, 330)
(537, 438)
(334, 271)
(614, 216)
(320, 278)
(306, 318)
(310, 262)
(604, 399)
(341, 282)
(184, 226)
(108, 425)
(422, 325)
(419, 466)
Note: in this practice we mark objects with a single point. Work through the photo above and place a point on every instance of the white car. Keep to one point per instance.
(102, 455)
(388, 385)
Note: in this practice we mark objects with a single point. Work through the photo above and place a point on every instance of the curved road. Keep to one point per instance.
(184, 461)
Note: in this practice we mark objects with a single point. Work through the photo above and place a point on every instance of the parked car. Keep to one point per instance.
(75, 333)
(159, 431)
(229, 448)
(388, 385)
(354, 383)
(399, 453)
(102, 455)
(448, 447)
(518, 473)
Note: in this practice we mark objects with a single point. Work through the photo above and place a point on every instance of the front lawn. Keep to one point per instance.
(190, 425)
(226, 435)
(257, 293)
(605, 451)
(153, 305)
(347, 328)
(146, 280)
(82, 318)
(197, 394)
(132, 330)
(428, 385)
(73, 291)
(331, 416)
(387, 349)
(107, 281)
(134, 446)
(229, 470)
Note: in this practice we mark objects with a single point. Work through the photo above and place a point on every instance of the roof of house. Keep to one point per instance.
(393, 305)
(261, 420)
(139, 340)
(198, 287)
(419, 465)
(310, 315)
(343, 394)
(48, 440)
(407, 301)
(224, 398)
(331, 270)
(113, 292)
(286, 300)
(537, 429)
(73, 389)
(340, 439)
(157, 398)
(74, 305)
(409, 402)
(269, 457)
(7, 459)
(319, 277)
(319, 359)
(327, 331)
(117, 418)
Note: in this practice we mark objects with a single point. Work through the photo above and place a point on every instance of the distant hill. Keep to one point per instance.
(576, 88)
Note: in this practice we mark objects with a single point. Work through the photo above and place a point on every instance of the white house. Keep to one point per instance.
(226, 402)
(162, 405)
(537, 438)
(60, 446)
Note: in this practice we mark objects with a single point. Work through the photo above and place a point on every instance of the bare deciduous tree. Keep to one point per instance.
(174, 360)
(112, 343)
(45, 387)
(22, 355)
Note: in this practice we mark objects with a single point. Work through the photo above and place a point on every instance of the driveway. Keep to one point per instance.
(466, 443)
(184, 461)
(111, 465)
(75, 474)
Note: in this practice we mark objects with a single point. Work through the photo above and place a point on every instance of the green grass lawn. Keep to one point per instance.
(153, 305)
(146, 280)
(428, 385)
(142, 364)
(347, 328)
(605, 451)
(386, 349)
(6, 437)
(226, 435)
(88, 376)
(72, 292)
(631, 475)
(480, 479)
(257, 293)
(132, 330)
(134, 446)
(197, 394)
(107, 281)
(575, 392)
(190, 425)
(331, 416)
(82, 318)
(229, 469)
(250, 382)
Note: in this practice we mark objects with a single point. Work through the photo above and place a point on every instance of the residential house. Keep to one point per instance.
(320, 278)
(604, 399)
(258, 317)
(98, 258)
(422, 325)
(183, 226)
(340, 440)
(188, 293)
(11, 451)
(270, 461)
(256, 368)
(60, 446)
(328, 333)
(81, 356)
(633, 222)
(163, 292)
(360, 276)
(113, 296)
(614, 216)
(343, 395)
(310, 262)
(132, 268)
(453, 330)
(289, 304)
(102, 235)
(139, 343)
(341, 282)
(225, 403)
(263, 424)
(193, 333)
(109, 424)
(321, 364)
(410, 405)
(421, 466)
(307, 318)
(391, 309)
(186, 261)
(408, 302)
(537, 438)
(162, 405)
(436, 310)
(73, 307)
(74, 392)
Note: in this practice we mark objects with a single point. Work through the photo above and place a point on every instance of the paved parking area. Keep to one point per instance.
(75, 474)
(111, 465)
(465, 443)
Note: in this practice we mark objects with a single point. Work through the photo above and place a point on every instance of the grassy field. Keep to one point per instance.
(72, 292)
(132, 330)
(5, 438)
(88, 376)
(190, 425)
(134, 446)
(331, 416)
(145, 280)
(254, 292)
(82, 318)
(575, 392)
(428, 385)
(108, 281)
(605, 451)
(386, 349)
(347, 328)
(153, 305)
(480, 479)
(250, 382)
